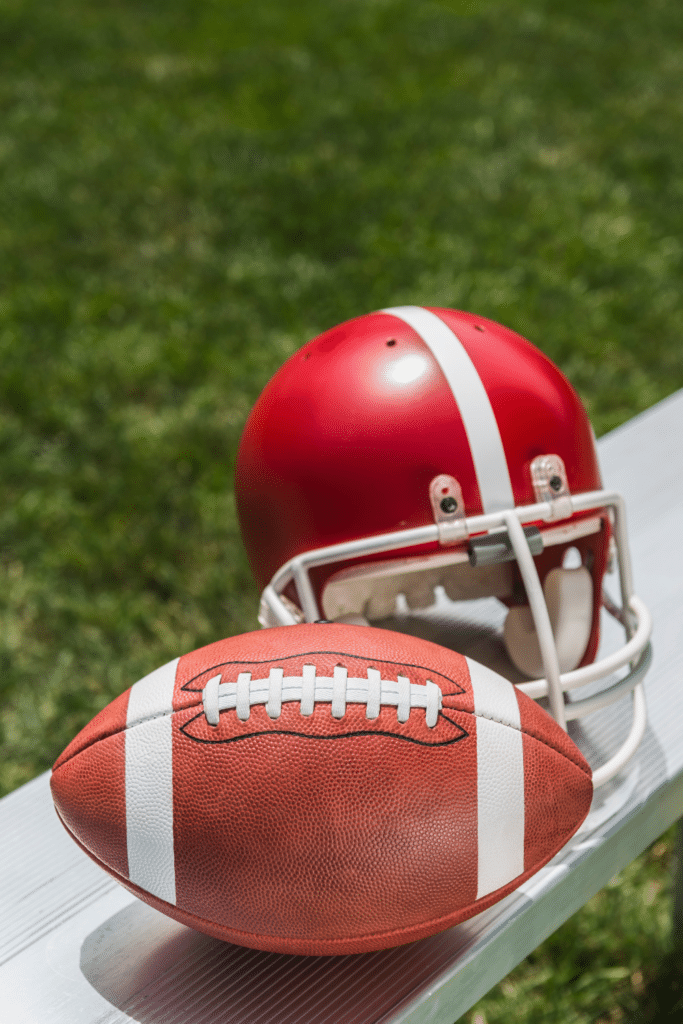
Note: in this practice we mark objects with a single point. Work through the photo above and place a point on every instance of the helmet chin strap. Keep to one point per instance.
(539, 610)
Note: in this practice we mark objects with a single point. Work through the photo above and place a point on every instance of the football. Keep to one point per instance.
(321, 789)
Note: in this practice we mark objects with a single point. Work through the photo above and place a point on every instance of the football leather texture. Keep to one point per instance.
(322, 789)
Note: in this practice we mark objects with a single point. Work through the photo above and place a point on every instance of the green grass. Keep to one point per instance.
(609, 963)
(189, 191)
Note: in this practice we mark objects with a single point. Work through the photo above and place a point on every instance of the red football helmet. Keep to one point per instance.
(417, 448)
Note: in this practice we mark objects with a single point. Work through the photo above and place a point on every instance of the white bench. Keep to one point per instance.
(78, 949)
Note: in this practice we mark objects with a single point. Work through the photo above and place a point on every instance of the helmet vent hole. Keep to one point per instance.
(572, 559)
(392, 341)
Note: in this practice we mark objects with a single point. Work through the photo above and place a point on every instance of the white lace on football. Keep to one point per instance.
(309, 689)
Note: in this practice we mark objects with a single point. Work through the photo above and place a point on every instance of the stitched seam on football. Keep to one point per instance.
(117, 732)
(162, 714)
(459, 690)
(539, 739)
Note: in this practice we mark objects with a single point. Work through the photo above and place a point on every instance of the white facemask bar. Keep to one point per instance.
(633, 614)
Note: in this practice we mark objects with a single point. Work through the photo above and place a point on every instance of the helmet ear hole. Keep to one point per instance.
(569, 596)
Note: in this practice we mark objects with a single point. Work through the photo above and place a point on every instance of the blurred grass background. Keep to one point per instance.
(190, 191)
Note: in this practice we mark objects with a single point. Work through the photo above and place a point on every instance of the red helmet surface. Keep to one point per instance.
(347, 436)
(393, 446)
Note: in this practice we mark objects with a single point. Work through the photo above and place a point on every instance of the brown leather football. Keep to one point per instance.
(322, 788)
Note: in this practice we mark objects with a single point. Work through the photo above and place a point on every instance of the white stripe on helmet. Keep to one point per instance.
(490, 464)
